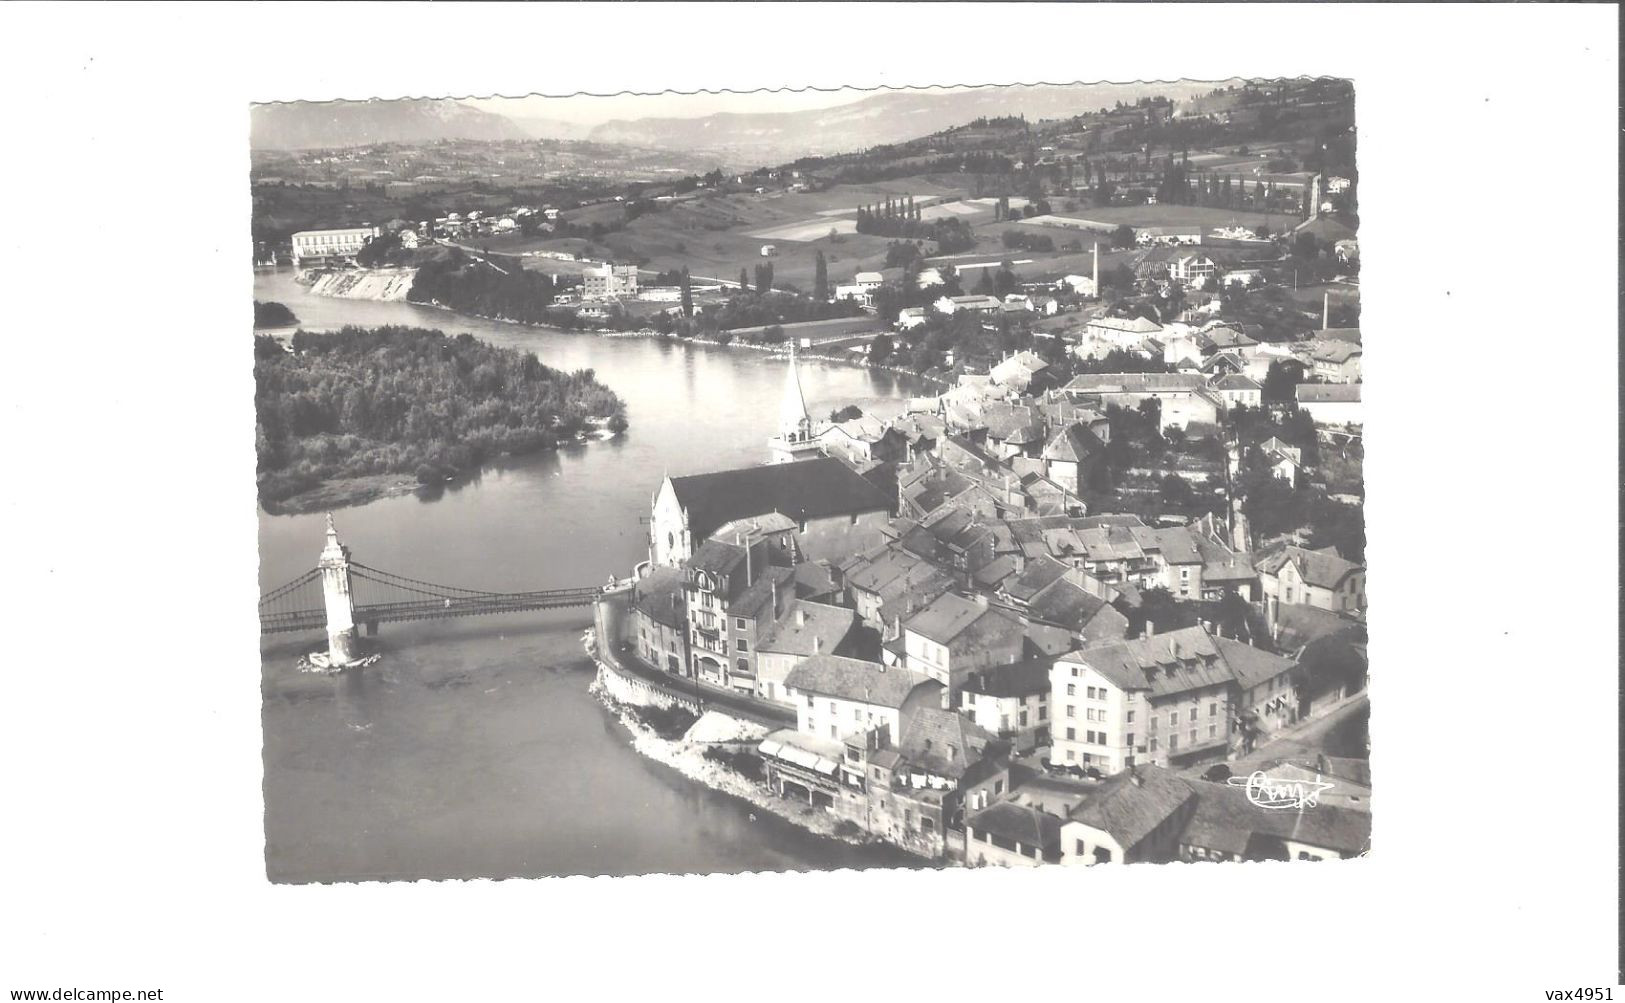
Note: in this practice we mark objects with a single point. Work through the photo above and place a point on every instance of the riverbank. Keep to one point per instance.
(356, 284)
(687, 756)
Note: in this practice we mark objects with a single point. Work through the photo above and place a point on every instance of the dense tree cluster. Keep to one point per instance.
(895, 219)
(272, 314)
(1016, 240)
(488, 286)
(398, 400)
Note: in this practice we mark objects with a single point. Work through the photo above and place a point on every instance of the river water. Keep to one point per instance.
(473, 749)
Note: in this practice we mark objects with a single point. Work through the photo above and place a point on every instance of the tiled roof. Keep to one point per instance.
(810, 489)
(1095, 383)
(1027, 826)
(1226, 820)
(1236, 381)
(1176, 544)
(1324, 567)
(659, 595)
(942, 741)
(1328, 393)
(1250, 665)
(1130, 325)
(1038, 573)
(1019, 679)
(1335, 352)
(821, 630)
(1129, 811)
(854, 679)
(947, 617)
(717, 556)
(1073, 444)
(1302, 624)
(1065, 604)
(1164, 664)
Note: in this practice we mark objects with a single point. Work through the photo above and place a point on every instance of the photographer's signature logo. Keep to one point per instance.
(1267, 793)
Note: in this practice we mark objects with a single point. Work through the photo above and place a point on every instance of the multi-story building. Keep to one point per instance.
(325, 247)
(1011, 701)
(659, 622)
(807, 629)
(1183, 398)
(1319, 578)
(836, 697)
(1169, 699)
(954, 636)
(730, 592)
(609, 280)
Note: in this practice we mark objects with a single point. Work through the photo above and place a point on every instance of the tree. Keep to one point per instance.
(744, 281)
(846, 413)
(820, 277)
(880, 350)
(1123, 236)
(688, 295)
(1281, 382)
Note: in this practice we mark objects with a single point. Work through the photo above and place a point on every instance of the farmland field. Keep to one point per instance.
(1182, 215)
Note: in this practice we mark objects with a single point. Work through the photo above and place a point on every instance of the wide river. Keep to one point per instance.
(473, 749)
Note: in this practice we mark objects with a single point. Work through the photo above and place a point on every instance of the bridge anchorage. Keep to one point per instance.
(352, 595)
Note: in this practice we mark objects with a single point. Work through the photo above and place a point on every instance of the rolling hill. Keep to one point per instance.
(887, 117)
(300, 125)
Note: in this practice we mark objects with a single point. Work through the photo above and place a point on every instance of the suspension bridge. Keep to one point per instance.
(339, 594)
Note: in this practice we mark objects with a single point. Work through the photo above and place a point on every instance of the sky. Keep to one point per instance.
(593, 110)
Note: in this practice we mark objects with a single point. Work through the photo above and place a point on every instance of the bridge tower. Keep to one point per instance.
(335, 568)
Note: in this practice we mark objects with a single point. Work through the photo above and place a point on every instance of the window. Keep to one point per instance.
(1070, 756)
(1193, 736)
(739, 644)
(739, 623)
(1152, 727)
(832, 732)
(1173, 742)
(1212, 731)
(1069, 711)
(926, 824)
(1072, 690)
(1081, 850)
(998, 787)
(1023, 719)
(857, 713)
(1130, 739)
(1305, 855)
(809, 700)
(1074, 672)
(1071, 734)
(877, 773)
(1043, 713)
(832, 706)
(1153, 743)
(1130, 717)
(740, 665)
(1173, 718)
(1212, 710)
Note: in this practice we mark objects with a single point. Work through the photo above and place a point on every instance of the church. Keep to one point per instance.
(836, 511)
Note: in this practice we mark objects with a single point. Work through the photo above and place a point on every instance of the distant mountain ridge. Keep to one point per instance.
(303, 125)
(887, 117)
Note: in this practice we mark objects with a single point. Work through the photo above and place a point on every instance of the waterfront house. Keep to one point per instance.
(729, 591)
(836, 696)
(1137, 816)
(1008, 834)
(1011, 702)
(658, 620)
(806, 629)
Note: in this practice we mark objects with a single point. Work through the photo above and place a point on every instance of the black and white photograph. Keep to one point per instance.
(537, 500)
(923, 478)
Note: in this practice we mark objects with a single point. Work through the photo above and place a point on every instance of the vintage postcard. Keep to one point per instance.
(963, 477)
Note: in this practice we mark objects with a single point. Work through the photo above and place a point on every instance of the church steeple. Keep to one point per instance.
(795, 440)
(794, 423)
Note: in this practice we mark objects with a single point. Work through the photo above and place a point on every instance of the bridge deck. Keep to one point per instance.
(432, 609)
